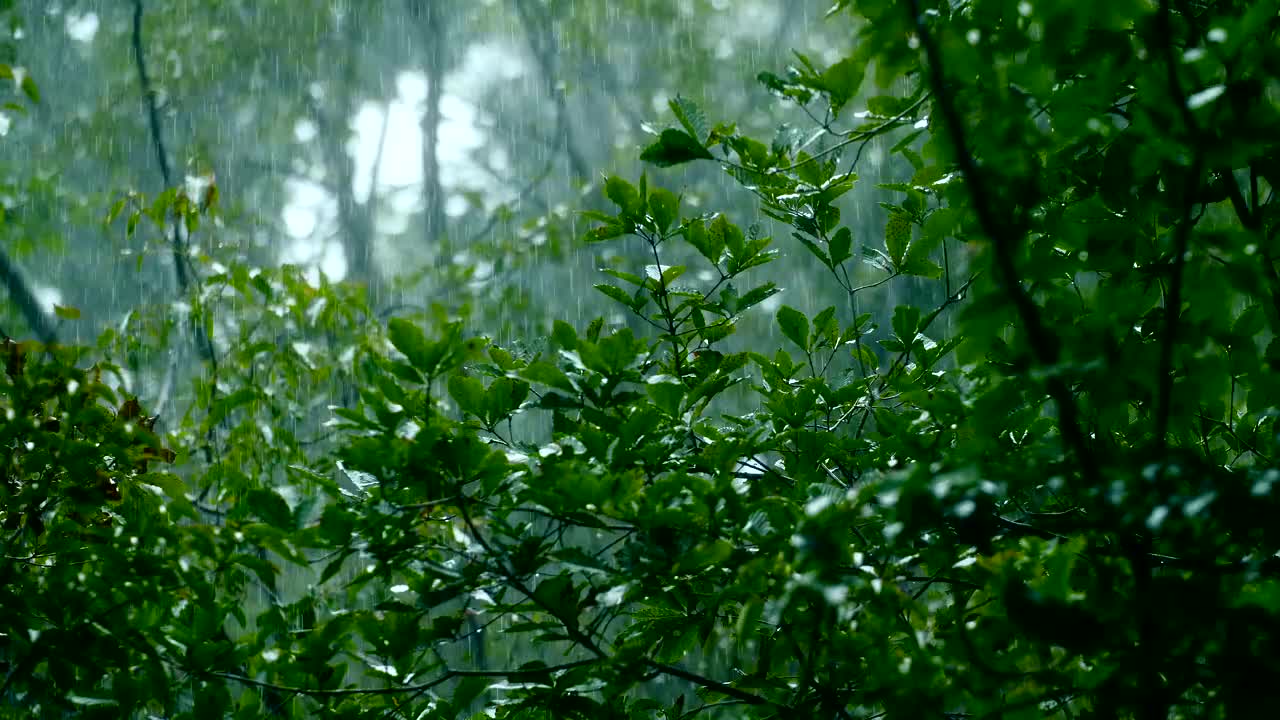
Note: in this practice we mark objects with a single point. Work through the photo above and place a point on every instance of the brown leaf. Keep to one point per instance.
(129, 410)
(15, 357)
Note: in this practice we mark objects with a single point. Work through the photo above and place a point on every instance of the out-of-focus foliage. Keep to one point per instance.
(1041, 487)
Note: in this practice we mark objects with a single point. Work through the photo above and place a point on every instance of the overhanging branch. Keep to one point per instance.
(1004, 240)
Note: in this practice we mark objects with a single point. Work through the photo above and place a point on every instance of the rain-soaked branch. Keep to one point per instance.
(540, 35)
(181, 263)
(428, 15)
(22, 295)
(1004, 239)
(1181, 234)
(515, 674)
(157, 139)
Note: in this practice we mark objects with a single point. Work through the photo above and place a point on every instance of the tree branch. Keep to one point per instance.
(22, 295)
(420, 687)
(157, 140)
(181, 263)
(539, 34)
(1004, 240)
(713, 685)
(428, 15)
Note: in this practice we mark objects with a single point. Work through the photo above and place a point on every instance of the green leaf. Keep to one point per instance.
(623, 194)
(171, 484)
(724, 234)
(66, 312)
(690, 117)
(705, 556)
(664, 206)
(842, 81)
(606, 232)
(825, 328)
(906, 320)
(887, 105)
(897, 235)
(755, 296)
(616, 293)
(469, 393)
(544, 372)
(815, 250)
(675, 147)
(939, 225)
(795, 326)
(504, 397)
(405, 372)
(117, 207)
(467, 690)
(564, 335)
(29, 87)
(558, 595)
(268, 506)
(841, 245)
(225, 404)
(666, 392)
(709, 245)
(625, 276)
(920, 267)
(410, 340)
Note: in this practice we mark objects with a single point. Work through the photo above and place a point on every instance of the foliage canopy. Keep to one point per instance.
(1046, 493)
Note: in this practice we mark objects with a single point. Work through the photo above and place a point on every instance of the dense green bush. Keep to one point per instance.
(1047, 494)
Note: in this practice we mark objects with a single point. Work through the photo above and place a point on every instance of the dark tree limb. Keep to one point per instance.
(429, 14)
(22, 295)
(1182, 234)
(1004, 239)
(181, 263)
(157, 141)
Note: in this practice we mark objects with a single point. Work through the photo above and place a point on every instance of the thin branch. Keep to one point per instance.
(714, 685)
(421, 687)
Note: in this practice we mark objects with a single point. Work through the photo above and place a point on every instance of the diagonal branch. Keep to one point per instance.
(22, 295)
(1004, 239)
(514, 674)
(712, 685)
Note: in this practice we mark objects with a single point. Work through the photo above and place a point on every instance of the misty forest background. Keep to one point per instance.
(639, 359)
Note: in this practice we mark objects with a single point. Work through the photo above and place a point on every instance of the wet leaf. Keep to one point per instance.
(675, 147)
(794, 325)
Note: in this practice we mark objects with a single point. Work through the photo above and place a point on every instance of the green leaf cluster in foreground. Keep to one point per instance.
(1049, 493)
